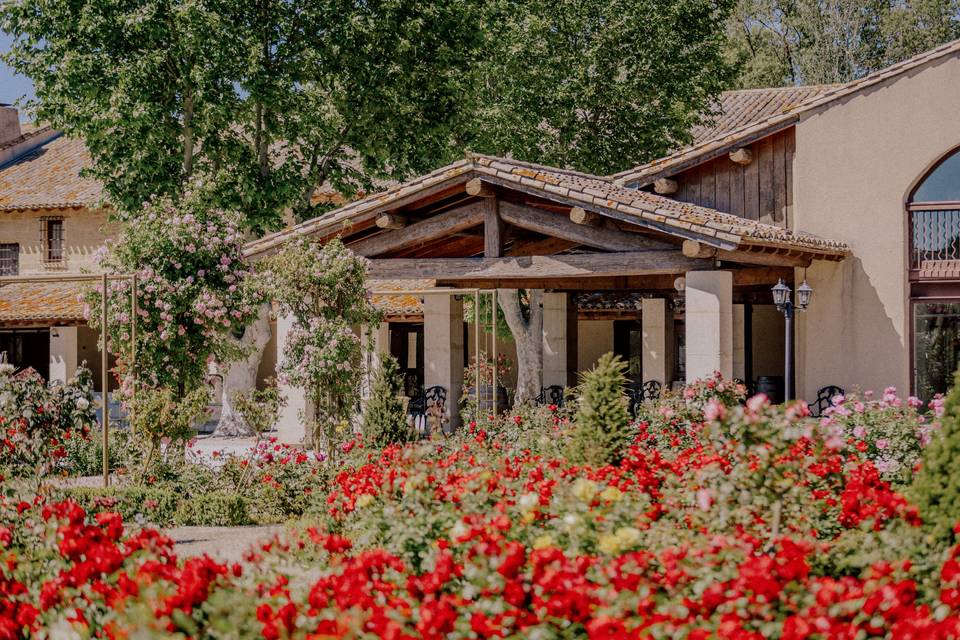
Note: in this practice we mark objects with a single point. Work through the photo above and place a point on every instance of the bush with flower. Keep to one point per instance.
(39, 421)
(193, 290)
(324, 288)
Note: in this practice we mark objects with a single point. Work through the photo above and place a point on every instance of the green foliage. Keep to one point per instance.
(600, 85)
(259, 408)
(602, 431)
(384, 421)
(936, 487)
(266, 101)
(136, 504)
(787, 42)
(85, 455)
(163, 506)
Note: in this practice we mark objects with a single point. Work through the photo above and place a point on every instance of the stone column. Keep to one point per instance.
(658, 358)
(443, 349)
(709, 319)
(739, 343)
(559, 339)
(291, 424)
(63, 353)
(377, 340)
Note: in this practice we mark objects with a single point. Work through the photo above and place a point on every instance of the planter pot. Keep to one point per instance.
(486, 398)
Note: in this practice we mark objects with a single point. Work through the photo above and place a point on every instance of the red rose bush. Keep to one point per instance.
(731, 521)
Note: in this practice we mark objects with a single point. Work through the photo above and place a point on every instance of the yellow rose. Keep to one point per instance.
(609, 544)
(628, 537)
(611, 494)
(364, 500)
(584, 489)
(542, 542)
(528, 517)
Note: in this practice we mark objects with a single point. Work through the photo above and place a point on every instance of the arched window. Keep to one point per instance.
(934, 214)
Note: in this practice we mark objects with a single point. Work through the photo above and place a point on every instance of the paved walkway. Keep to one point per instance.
(226, 544)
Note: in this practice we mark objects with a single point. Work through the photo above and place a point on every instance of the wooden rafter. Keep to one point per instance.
(441, 225)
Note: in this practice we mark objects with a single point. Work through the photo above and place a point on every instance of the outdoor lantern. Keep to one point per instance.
(781, 293)
(804, 291)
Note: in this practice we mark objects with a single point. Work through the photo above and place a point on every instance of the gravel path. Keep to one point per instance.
(226, 544)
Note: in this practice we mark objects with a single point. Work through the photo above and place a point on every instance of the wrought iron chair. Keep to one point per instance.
(428, 407)
(551, 395)
(824, 399)
(651, 390)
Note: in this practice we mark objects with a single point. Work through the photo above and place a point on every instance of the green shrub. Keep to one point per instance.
(936, 487)
(216, 509)
(384, 422)
(602, 431)
(151, 504)
(85, 454)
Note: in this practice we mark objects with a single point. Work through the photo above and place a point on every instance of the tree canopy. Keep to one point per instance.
(787, 42)
(267, 100)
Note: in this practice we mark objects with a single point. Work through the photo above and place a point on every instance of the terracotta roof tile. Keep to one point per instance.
(400, 304)
(25, 301)
(48, 177)
(634, 206)
(753, 117)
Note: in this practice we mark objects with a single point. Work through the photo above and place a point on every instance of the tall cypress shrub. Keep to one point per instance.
(602, 430)
(384, 422)
(936, 487)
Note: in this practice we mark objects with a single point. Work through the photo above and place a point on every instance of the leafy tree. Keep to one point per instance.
(601, 432)
(384, 421)
(936, 487)
(600, 85)
(266, 100)
(785, 42)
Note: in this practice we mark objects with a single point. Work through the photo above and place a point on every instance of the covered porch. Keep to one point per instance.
(678, 290)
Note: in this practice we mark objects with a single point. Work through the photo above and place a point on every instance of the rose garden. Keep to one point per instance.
(708, 514)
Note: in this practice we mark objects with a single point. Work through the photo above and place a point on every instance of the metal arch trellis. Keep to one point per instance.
(476, 293)
(103, 279)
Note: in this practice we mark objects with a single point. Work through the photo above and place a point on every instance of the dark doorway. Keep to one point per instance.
(27, 348)
(628, 344)
(406, 345)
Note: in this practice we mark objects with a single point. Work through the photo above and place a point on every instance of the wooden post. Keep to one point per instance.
(476, 347)
(104, 382)
(493, 330)
(492, 229)
(134, 309)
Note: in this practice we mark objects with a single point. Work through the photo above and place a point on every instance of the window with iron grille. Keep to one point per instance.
(52, 234)
(10, 259)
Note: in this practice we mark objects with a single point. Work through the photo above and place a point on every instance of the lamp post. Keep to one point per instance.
(781, 298)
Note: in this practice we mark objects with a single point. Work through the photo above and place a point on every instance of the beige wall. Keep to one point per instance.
(855, 164)
(594, 338)
(83, 234)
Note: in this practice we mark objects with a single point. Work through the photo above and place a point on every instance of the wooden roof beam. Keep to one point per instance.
(440, 225)
(695, 249)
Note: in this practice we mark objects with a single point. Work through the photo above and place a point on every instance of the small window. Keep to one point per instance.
(52, 240)
(9, 259)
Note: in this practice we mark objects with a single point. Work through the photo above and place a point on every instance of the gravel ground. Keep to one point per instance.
(226, 544)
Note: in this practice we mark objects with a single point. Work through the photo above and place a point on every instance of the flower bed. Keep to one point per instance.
(755, 523)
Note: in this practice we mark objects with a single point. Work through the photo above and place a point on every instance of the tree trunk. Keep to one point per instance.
(528, 337)
(242, 375)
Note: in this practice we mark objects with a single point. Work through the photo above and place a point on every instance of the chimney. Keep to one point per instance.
(9, 124)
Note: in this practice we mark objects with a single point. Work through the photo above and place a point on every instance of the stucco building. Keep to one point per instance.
(854, 188)
(50, 224)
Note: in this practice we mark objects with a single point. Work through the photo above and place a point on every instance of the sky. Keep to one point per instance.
(12, 87)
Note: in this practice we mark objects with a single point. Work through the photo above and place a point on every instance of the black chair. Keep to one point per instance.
(432, 401)
(651, 390)
(824, 399)
(551, 395)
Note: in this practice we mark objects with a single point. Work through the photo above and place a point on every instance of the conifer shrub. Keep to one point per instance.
(602, 430)
(384, 421)
(936, 487)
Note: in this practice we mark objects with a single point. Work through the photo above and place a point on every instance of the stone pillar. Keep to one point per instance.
(291, 424)
(443, 350)
(658, 358)
(559, 340)
(739, 343)
(709, 319)
(376, 343)
(63, 353)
